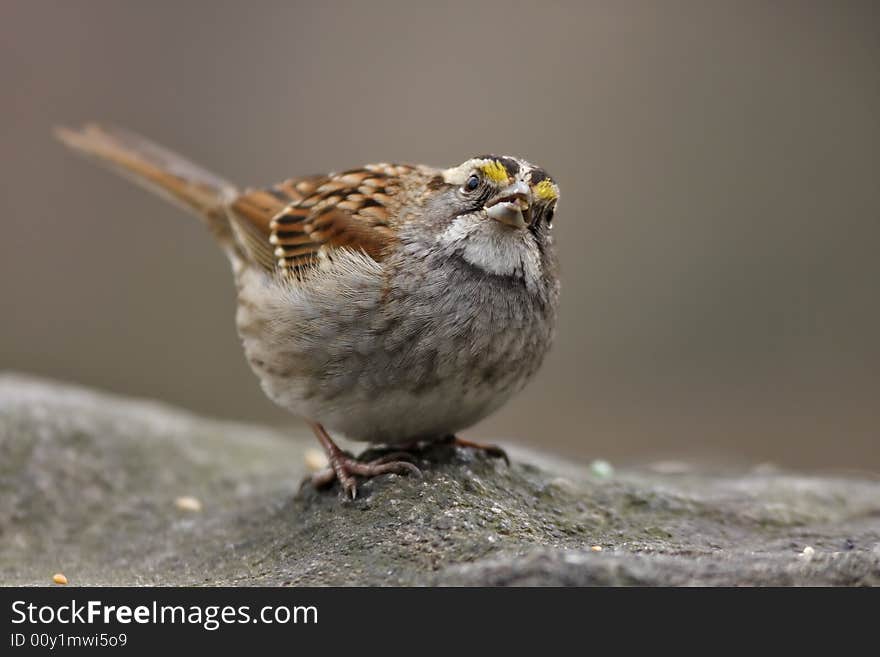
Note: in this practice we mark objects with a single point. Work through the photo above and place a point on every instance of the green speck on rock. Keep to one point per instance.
(601, 469)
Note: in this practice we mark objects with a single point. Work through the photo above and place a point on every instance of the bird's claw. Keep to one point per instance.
(344, 468)
(491, 450)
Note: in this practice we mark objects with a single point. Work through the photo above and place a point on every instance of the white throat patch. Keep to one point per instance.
(494, 247)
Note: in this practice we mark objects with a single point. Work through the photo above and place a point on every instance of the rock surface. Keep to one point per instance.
(90, 485)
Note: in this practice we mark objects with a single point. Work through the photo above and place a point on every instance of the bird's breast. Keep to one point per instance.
(394, 353)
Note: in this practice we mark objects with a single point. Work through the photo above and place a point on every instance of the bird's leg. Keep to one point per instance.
(344, 467)
(491, 450)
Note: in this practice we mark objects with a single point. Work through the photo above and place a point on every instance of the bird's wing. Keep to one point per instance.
(288, 226)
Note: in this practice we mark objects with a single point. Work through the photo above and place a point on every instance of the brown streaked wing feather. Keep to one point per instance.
(251, 214)
(346, 210)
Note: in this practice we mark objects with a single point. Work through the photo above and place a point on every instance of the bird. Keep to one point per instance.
(395, 304)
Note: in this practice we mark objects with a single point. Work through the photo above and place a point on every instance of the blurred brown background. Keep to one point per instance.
(719, 227)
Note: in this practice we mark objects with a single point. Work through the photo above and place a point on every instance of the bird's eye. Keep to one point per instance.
(472, 183)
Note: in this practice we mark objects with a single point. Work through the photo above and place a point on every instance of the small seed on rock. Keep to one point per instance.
(563, 484)
(59, 578)
(315, 460)
(807, 553)
(596, 548)
(187, 503)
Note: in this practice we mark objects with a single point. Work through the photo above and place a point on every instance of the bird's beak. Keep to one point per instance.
(512, 206)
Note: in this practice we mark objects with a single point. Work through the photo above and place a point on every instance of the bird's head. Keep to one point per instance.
(495, 212)
(505, 189)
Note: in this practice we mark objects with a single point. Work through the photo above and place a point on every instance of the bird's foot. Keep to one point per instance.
(490, 450)
(345, 468)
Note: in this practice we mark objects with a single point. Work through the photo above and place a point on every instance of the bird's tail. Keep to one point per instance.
(172, 176)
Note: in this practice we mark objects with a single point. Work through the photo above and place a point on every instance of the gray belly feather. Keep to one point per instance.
(384, 356)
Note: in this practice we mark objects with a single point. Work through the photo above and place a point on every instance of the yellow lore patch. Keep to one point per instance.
(546, 190)
(495, 172)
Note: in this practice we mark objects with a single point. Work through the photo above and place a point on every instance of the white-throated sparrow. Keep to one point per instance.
(392, 303)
